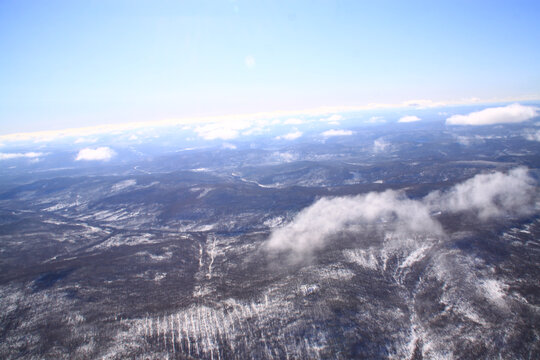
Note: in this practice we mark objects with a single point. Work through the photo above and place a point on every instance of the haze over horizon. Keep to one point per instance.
(79, 64)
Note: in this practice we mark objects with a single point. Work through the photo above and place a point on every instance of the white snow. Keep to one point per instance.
(494, 290)
(123, 185)
(362, 257)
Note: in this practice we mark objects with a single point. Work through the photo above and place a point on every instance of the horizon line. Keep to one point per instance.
(419, 104)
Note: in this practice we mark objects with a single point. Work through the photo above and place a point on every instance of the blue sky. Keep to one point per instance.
(82, 63)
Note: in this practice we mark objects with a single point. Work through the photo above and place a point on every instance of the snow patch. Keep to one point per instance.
(362, 257)
(123, 185)
(494, 290)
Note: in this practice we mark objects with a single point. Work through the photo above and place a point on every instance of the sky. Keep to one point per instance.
(67, 64)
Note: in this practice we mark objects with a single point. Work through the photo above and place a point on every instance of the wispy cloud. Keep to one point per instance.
(426, 103)
(334, 132)
(532, 135)
(228, 146)
(284, 156)
(290, 136)
(380, 145)
(294, 121)
(101, 153)
(376, 120)
(392, 213)
(257, 130)
(29, 155)
(514, 113)
(333, 118)
(408, 119)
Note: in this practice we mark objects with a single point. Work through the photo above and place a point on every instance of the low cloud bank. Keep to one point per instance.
(101, 153)
(391, 212)
(314, 226)
(514, 113)
(488, 195)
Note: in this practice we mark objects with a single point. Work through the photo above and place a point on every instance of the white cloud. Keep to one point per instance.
(333, 118)
(85, 140)
(228, 146)
(314, 227)
(376, 120)
(334, 132)
(514, 113)
(290, 136)
(224, 130)
(101, 153)
(213, 133)
(392, 214)
(258, 130)
(489, 195)
(408, 119)
(294, 121)
(29, 155)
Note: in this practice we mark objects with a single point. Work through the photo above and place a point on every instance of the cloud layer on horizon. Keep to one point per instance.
(514, 113)
(330, 114)
(28, 155)
(223, 130)
(392, 213)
